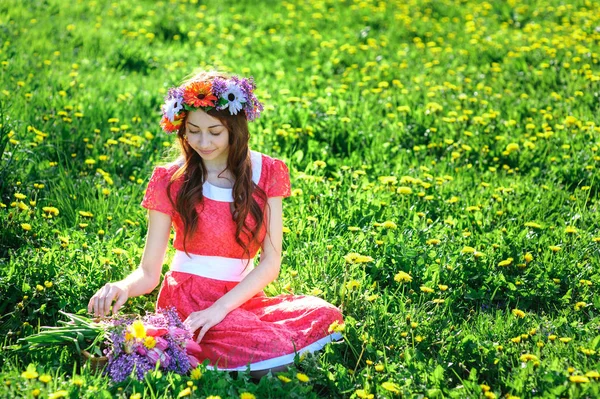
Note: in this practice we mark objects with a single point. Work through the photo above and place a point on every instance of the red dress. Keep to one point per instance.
(264, 332)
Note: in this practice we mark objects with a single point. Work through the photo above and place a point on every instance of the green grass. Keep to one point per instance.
(487, 111)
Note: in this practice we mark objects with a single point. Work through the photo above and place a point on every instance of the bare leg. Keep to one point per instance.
(261, 373)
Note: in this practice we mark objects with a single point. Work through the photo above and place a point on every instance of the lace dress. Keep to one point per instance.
(264, 332)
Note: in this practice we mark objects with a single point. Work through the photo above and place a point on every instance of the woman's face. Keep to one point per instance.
(208, 137)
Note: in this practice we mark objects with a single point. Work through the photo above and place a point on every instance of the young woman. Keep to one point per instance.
(225, 203)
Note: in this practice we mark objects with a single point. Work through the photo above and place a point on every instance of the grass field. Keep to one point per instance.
(444, 163)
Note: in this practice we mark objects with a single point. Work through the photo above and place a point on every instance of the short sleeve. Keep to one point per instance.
(279, 180)
(156, 194)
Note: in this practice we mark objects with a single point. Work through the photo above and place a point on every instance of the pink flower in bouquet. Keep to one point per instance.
(141, 349)
(156, 355)
(193, 361)
(161, 343)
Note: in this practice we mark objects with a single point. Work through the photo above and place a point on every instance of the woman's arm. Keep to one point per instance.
(145, 278)
(266, 271)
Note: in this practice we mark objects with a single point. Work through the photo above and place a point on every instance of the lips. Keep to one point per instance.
(206, 152)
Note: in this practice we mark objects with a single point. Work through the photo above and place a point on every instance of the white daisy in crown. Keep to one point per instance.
(235, 98)
(172, 107)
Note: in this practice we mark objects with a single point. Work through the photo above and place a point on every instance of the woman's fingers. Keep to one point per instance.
(120, 300)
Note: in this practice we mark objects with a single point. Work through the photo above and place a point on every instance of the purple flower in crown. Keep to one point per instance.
(219, 86)
(252, 107)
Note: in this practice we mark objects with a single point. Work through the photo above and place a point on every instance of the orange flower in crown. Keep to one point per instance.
(198, 94)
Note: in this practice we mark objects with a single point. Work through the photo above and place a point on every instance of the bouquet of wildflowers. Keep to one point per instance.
(131, 344)
(141, 344)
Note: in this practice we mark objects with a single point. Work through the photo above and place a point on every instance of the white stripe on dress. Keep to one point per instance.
(215, 267)
(285, 359)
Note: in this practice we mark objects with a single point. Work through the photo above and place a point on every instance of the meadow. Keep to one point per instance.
(444, 165)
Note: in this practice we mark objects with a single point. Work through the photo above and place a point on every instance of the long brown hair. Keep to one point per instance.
(194, 174)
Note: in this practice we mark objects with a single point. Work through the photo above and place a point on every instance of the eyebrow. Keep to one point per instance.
(208, 127)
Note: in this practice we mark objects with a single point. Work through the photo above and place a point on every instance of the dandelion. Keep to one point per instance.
(527, 357)
(518, 313)
(58, 394)
(592, 374)
(404, 190)
(20, 196)
(319, 164)
(283, 379)
(565, 339)
(30, 374)
(196, 374)
(570, 230)
(302, 377)
(579, 379)
(533, 225)
(390, 386)
(247, 395)
(555, 248)
(402, 277)
(186, 392)
(506, 262)
(362, 394)
(26, 226)
(580, 305)
(426, 289)
(528, 257)
(336, 327)
(467, 250)
(45, 378)
(389, 225)
(86, 214)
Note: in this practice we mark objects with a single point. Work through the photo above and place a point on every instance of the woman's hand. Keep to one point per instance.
(100, 303)
(205, 319)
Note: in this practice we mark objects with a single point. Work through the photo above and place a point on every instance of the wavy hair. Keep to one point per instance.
(194, 174)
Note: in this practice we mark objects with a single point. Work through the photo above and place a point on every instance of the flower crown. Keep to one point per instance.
(234, 94)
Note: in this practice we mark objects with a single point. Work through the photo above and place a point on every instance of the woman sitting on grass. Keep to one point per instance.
(225, 203)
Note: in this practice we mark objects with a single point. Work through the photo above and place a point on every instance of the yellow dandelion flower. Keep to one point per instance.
(426, 289)
(86, 214)
(247, 395)
(149, 342)
(404, 190)
(403, 277)
(570, 230)
(196, 374)
(433, 241)
(336, 327)
(284, 379)
(552, 337)
(579, 379)
(29, 374)
(442, 287)
(528, 257)
(20, 196)
(26, 226)
(137, 329)
(45, 378)
(467, 250)
(362, 394)
(506, 262)
(518, 313)
(533, 225)
(186, 392)
(554, 248)
(580, 305)
(527, 357)
(388, 224)
(565, 339)
(390, 386)
(302, 377)
(58, 394)
(592, 374)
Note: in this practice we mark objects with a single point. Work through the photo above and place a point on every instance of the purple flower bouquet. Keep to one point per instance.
(158, 339)
(131, 344)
